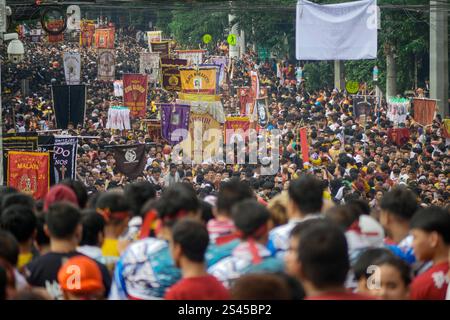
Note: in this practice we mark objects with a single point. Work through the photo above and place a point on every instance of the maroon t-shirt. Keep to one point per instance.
(198, 288)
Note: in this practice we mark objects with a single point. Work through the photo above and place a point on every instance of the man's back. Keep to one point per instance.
(43, 271)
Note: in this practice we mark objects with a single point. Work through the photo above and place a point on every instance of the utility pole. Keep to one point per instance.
(439, 55)
(339, 75)
(391, 71)
(234, 50)
(234, 28)
(242, 43)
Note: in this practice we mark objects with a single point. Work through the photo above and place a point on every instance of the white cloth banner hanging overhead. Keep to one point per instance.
(345, 31)
(72, 67)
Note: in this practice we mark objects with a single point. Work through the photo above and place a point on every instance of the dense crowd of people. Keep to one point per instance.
(364, 218)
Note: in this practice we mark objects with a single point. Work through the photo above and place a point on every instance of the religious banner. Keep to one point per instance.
(255, 85)
(87, 31)
(304, 144)
(399, 136)
(29, 172)
(118, 118)
(199, 80)
(446, 128)
(153, 36)
(363, 105)
(64, 158)
(69, 104)
(263, 112)
(72, 67)
(424, 111)
(233, 124)
(106, 64)
(35, 35)
(104, 38)
(397, 110)
(221, 61)
(173, 62)
(118, 88)
(20, 141)
(208, 66)
(130, 160)
(208, 130)
(149, 65)
(154, 129)
(162, 47)
(46, 143)
(198, 97)
(193, 57)
(173, 117)
(135, 87)
(245, 100)
(55, 25)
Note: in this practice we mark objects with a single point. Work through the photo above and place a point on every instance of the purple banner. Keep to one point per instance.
(174, 116)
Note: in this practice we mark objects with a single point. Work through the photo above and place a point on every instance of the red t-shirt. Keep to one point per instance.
(341, 296)
(432, 284)
(198, 288)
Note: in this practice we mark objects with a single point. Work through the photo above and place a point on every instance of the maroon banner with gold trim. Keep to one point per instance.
(236, 124)
(135, 88)
(104, 38)
(29, 172)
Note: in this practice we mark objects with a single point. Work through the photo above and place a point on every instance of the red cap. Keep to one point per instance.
(59, 193)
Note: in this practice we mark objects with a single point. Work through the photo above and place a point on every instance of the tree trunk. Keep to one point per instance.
(391, 72)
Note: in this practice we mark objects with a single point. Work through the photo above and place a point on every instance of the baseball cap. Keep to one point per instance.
(59, 193)
(90, 277)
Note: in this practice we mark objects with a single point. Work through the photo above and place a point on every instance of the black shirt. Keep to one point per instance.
(43, 272)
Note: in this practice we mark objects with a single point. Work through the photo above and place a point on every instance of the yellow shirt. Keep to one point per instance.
(24, 259)
(109, 248)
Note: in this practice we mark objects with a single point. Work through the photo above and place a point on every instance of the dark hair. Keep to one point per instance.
(343, 215)
(248, 216)
(398, 263)
(20, 221)
(307, 194)
(41, 236)
(17, 198)
(207, 213)
(296, 288)
(113, 201)
(323, 253)
(366, 259)
(400, 201)
(93, 224)
(260, 287)
(62, 219)
(79, 189)
(193, 238)
(137, 194)
(175, 199)
(9, 247)
(433, 219)
(4, 191)
(232, 192)
(361, 204)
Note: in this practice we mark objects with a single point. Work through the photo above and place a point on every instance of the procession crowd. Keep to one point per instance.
(364, 218)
